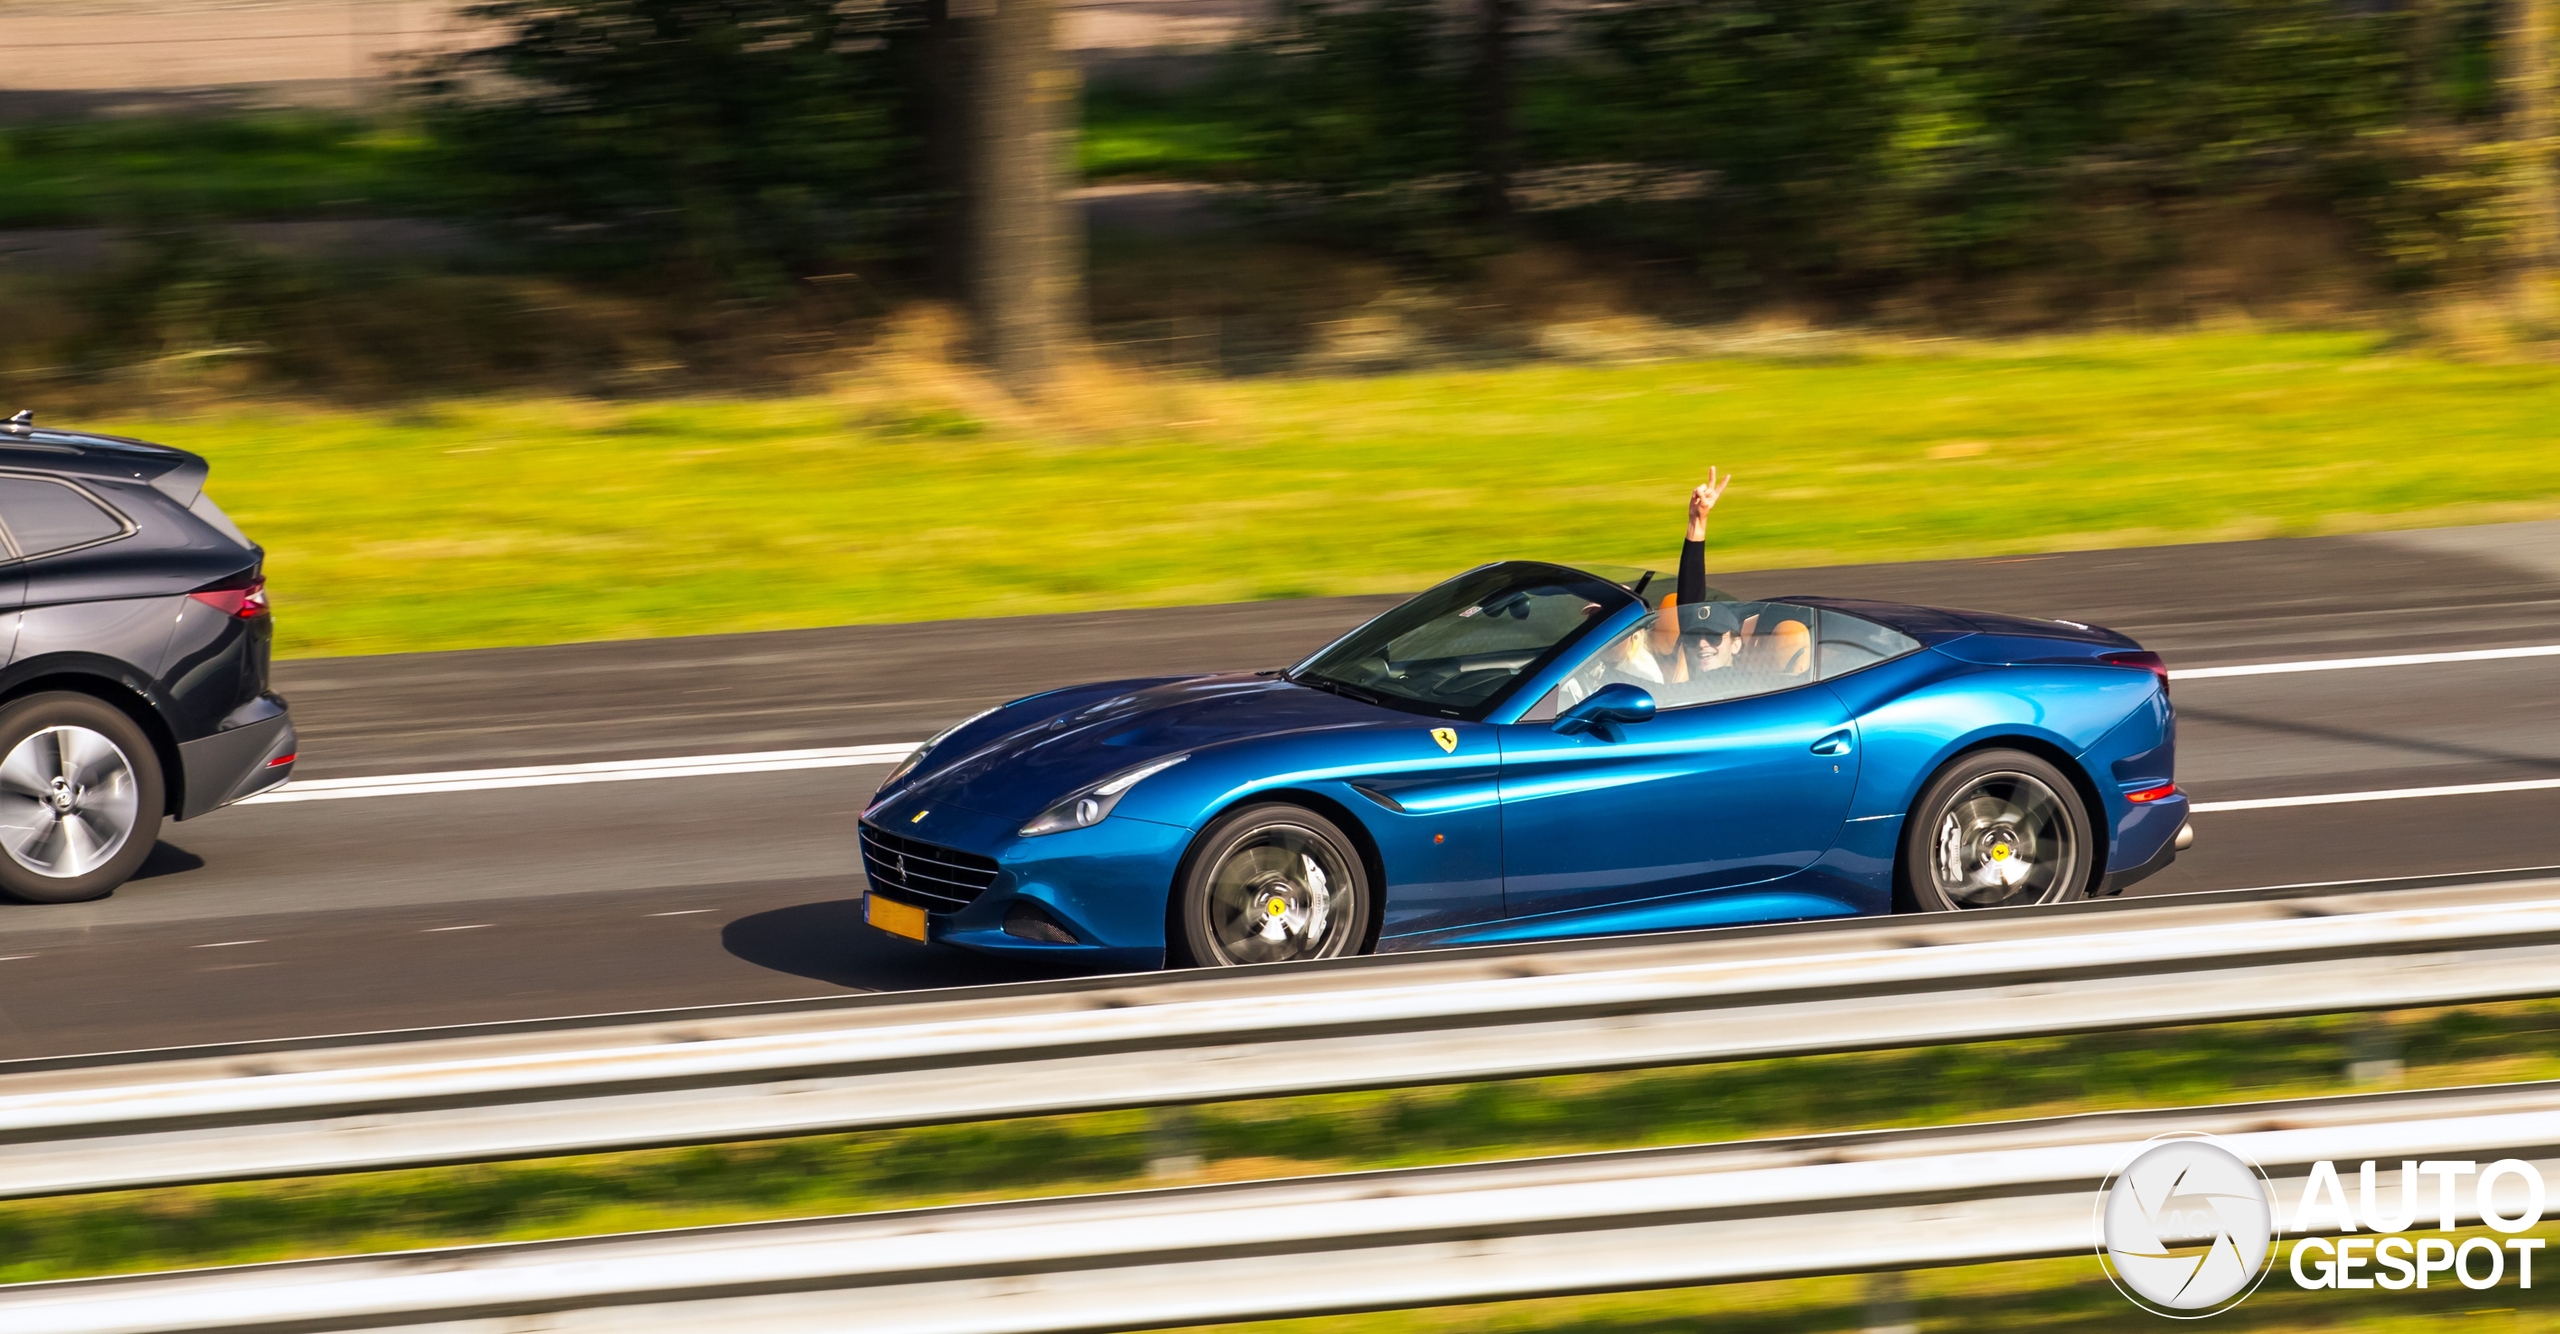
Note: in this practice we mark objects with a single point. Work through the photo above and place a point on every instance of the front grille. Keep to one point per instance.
(935, 878)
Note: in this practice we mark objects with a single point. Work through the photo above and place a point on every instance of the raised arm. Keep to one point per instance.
(1693, 553)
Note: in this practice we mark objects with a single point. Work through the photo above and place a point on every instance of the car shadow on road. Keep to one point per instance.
(828, 942)
(167, 859)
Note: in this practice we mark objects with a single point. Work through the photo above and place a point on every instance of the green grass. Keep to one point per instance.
(133, 1231)
(1130, 132)
(515, 522)
(248, 166)
(267, 165)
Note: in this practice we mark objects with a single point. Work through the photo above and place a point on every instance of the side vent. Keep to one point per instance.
(1379, 797)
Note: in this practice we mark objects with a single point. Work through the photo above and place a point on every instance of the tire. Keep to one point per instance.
(1270, 883)
(81, 798)
(1996, 829)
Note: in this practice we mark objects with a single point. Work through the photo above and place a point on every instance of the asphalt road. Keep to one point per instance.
(336, 916)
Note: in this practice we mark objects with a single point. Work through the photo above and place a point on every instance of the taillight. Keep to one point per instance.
(2144, 659)
(244, 603)
(2153, 793)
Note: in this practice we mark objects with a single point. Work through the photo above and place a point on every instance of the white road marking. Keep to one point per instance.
(680, 912)
(224, 944)
(475, 926)
(2385, 794)
(2346, 664)
(560, 775)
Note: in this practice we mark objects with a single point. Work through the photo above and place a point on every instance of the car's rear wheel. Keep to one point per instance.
(1271, 883)
(1997, 829)
(80, 798)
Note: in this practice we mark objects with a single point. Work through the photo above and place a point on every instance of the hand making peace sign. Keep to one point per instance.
(1702, 502)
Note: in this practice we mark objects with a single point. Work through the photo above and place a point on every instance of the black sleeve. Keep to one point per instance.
(1693, 573)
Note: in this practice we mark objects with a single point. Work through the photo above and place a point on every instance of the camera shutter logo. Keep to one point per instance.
(2187, 1228)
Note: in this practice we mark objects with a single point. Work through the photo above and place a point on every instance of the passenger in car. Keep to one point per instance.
(1783, 651)
(1668, 662)
(1661, 655)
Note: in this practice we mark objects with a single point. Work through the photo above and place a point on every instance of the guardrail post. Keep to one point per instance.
(2373, 1054)
(1173, 1144)
(1889, 1309)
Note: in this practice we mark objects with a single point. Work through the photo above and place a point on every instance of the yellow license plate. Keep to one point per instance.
(898, 919)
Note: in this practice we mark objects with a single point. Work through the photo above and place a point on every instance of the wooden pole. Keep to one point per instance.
(942, 79)
(1493, 130)
(1029, 247)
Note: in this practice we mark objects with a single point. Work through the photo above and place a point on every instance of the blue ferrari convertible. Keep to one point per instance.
(1531, 751)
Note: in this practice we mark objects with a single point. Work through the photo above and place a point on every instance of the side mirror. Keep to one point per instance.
(1611, 706)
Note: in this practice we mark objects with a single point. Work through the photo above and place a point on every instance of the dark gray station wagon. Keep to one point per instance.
(133, 614)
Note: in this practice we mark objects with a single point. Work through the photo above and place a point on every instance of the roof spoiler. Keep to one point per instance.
(184, 482)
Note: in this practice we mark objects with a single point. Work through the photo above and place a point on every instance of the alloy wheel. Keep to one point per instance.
(68, 801)
(2004, 839)
(1283, 892)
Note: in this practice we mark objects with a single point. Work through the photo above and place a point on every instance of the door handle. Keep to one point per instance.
(1835, 744)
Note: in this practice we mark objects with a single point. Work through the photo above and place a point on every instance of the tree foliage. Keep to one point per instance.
(1891, 138)
(743, 141)
(1852, 146)
(1868, 143)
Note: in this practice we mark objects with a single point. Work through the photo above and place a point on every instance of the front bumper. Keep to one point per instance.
(1107, 885)
(251, 754)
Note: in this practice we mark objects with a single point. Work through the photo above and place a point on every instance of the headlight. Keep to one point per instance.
(916, 756)
(1086, 806)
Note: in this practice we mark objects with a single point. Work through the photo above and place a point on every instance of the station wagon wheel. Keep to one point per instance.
(1270, 884)
(1996, 829)
(80, 797)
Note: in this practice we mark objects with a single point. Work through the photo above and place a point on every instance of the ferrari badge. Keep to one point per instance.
(1447, 737)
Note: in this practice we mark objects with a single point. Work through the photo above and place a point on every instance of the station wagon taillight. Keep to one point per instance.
(244, 602)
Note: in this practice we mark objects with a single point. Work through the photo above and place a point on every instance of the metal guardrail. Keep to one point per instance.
(464, 1095)
(1364, 1241)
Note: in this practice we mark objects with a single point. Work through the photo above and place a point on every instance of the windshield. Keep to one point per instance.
(1458, 649)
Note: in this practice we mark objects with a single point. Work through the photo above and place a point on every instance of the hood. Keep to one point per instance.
(1020, 773)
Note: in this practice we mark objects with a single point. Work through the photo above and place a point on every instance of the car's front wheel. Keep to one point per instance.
(1271, 883)
(80, 798)
(1996, 829)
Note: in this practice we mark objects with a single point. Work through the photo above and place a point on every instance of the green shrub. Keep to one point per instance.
(1874, 142)
(732, 143)
(1853, 148)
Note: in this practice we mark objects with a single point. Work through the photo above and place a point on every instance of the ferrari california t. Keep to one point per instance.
(1532, 751)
